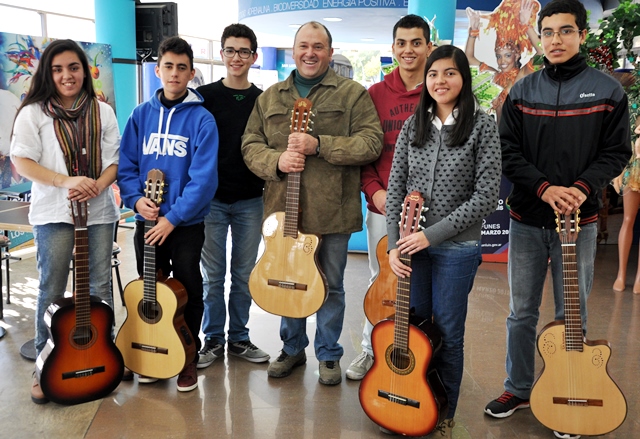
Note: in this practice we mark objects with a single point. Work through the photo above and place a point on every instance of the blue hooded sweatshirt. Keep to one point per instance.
(182, 142)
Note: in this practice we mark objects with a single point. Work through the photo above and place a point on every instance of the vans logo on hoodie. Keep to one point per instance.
(173, 145)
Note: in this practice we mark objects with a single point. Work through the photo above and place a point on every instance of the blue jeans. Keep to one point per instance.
(441, 280)
(54, 247)
(245, 219)
(330, 317)
(529, 251)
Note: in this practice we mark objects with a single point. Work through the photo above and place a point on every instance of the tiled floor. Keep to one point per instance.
(235, 399)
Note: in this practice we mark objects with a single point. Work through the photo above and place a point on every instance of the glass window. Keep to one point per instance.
(73, 28)
(19, 21)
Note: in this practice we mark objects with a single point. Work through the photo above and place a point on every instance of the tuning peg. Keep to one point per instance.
(422, 218)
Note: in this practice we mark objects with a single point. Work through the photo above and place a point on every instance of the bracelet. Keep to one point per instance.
(53, 180)
(474, 32)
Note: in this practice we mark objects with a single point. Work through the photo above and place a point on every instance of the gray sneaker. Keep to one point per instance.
(209, 353)
(360, 366)
(285, 363)
(247, 350)
(330, 373)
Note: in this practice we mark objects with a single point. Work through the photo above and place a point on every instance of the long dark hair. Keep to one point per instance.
(466, 104)
(42, 85)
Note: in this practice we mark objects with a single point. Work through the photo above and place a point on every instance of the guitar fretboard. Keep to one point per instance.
(403, 295)
(292, 206)
(572, 316)
(81, 294)
(149, 268)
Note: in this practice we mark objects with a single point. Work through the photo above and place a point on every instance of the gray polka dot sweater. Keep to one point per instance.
(459, 184)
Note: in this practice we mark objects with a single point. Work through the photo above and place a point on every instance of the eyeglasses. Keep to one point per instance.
(242, 53)
(564, 32)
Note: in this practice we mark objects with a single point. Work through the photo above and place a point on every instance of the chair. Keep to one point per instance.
(4, 256)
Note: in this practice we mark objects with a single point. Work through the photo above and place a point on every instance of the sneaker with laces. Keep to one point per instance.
(210, 352)
(188, 378)
(247, 350)
(504, 406)
(444, 429)
(360, 366)
(285, 363)
(330, 373)
(565, 435)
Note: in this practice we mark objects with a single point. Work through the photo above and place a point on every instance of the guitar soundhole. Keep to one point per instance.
(150, 312)
(400, 362)
(83, 337)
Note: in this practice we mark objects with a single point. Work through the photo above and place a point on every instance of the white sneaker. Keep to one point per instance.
(360, 366)
(565, 435)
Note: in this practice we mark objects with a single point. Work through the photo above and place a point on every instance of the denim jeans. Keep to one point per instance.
(245, 219)
(529, 251)
(330, 317)
(441, 280)
(54, 246)
(179, 256)
(376, 229)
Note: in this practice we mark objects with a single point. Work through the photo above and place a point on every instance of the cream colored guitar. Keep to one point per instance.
(154, 339)
(287, 280)
(574, 392)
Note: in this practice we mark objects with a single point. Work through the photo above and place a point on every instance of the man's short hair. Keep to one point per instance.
(315, 25)
(573, 7)
(412, 21)
(175, 45)
(239, 30)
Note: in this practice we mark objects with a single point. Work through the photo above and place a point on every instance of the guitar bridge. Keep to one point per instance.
(287, 285)
(82, 373)
(399, 399)
(584, 402)
(148, 348)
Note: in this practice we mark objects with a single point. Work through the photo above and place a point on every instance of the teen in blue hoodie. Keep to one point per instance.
(174, 133)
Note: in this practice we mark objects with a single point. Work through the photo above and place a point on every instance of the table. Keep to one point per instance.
(14, 215)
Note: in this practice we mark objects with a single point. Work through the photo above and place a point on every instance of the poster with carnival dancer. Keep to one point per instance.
(502, 46)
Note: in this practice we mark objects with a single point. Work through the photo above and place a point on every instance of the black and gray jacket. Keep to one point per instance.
(566, 125)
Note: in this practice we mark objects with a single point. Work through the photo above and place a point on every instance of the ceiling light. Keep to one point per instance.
(332, 19)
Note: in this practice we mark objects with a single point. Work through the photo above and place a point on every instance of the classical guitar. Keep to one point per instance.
(154, 339)
(287, 279)
(400, 392)
(80, 362)
(574, 392)
(380, 299)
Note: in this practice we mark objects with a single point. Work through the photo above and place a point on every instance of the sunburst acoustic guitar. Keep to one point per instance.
(400, 392)
(154, 339)
(574, 392)
(287, 279)
(80, 362)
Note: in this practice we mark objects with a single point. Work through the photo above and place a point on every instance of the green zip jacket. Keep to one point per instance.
(346, 123)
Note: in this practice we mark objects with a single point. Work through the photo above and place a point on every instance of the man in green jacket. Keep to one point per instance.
(346, 135)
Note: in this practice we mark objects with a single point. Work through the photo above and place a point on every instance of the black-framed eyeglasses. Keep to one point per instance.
(242, 53)
(564, 32)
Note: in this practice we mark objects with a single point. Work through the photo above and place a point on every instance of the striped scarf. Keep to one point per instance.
(79, 132)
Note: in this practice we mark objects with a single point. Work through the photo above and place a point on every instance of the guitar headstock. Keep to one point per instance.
(568, 226)
(301, 116)
(411, 214)
(80, 213)
(154, 187)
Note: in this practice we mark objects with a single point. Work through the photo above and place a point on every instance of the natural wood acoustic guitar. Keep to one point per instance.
(400, 392)
(574, 392)
(287, 279)
(380, 299)
(80, 362)
(155, 340)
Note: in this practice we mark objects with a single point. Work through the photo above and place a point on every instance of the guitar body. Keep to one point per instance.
(404, 396)
(287, 279)
(380, 300)
(73, 369)
(155, 340)
(574, 393)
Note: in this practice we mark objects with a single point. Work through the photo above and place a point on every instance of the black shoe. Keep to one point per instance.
(506, 405)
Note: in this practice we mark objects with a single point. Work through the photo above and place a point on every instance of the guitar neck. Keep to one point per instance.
(149, 267)
(572, 316)
(403, 294)
(81, 273)
(292, 206)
